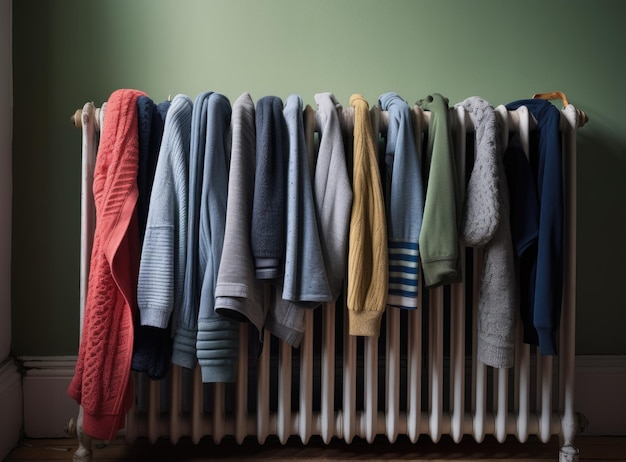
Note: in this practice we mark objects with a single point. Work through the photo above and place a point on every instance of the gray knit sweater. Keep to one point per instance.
(485, 224)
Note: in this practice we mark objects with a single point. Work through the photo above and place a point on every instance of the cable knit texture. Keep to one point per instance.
(367, 252)
(485, 223)
(101, 382)
(481, 209)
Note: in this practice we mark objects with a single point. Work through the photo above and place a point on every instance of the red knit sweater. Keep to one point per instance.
(101, 382)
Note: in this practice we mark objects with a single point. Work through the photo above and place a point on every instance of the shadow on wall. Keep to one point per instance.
(601, 243)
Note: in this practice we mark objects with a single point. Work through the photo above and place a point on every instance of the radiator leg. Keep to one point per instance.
(568, 453)
(83, 453)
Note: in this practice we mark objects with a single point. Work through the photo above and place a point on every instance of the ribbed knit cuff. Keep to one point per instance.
(184, 350)
(266, 267)
(499, 356)
(155, 318)
(218, 349)
(364, 323)
(439, 272)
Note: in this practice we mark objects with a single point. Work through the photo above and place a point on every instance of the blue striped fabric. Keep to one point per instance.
(403, 271)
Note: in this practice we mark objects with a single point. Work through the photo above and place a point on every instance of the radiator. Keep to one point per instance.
(420, 377)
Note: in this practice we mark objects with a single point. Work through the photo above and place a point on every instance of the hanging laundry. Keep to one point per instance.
(332, 192)
(439, 246)
(405, 202)
(238, 293)
(101, 383)
(538, 238)
(485, 224)
(163, 254)
(367, 251)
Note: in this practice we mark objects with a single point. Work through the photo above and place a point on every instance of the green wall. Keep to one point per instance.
(71, 51)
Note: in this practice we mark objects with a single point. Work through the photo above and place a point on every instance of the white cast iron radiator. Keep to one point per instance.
(420, 377)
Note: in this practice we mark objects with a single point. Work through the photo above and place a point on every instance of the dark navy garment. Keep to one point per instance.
(536, 185)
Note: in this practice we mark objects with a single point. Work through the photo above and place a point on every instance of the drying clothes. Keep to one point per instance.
(218, 336)
(405, 202)
(305, 275)
(546, 258)
(304, 284)
(439, 247)
(186, 325)
(151, 125)
(268, 207)
(164, 250)
(367, 251)
(238, 294)
(485, 224)
(332, 192)
(101, 383)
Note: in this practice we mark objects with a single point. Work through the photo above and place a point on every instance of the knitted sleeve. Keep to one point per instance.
(485, 224)
(367, 252)
(101, 383)
(217, 342)
(162, 267)
(186, 323)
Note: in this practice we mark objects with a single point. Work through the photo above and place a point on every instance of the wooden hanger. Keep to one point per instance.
(553, 95)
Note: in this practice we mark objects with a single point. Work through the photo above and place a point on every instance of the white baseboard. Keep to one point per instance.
(10, 406)
(47, 406)
(600, 395)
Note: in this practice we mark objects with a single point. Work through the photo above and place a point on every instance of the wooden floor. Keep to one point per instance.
(591, 449)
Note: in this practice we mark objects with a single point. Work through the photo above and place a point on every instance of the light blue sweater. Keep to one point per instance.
(305, 275)
(163, 255)
(405, 202)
